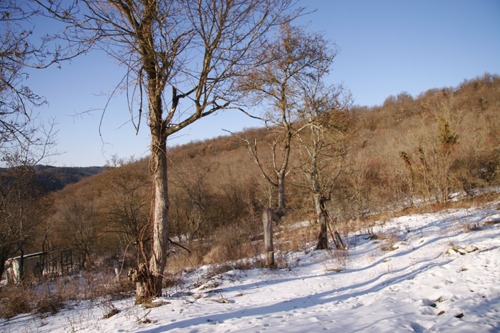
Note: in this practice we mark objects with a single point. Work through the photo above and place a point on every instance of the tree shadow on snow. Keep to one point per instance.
(366, 287)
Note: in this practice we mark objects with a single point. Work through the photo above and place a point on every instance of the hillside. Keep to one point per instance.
(411, 155)
(53, 178)
(56, 178)
(407, 152)
(400, 276)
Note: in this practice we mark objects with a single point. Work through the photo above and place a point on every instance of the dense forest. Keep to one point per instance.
(407, 152)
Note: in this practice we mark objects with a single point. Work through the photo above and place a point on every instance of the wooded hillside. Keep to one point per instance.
(408, 150)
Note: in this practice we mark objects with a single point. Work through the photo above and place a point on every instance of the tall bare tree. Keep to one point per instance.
(324, 142)
(181, 59)
(23, 141)
(289, 61)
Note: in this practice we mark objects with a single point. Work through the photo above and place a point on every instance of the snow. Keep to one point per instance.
(414, 285)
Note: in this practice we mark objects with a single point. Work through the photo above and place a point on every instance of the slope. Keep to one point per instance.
(400, 276)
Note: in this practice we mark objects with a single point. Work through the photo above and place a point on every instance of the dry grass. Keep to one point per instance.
(25, 298)
(296, 239)
(48, 297)
(15, 300)
(390, 239)
(230, 248)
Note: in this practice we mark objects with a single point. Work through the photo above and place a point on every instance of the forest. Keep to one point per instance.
(409, 153)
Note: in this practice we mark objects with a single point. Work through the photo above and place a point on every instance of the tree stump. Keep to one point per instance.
(145, 284)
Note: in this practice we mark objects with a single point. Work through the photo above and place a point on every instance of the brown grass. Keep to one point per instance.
(49, 296)
(15, 300)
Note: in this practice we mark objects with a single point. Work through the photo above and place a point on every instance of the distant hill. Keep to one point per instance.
(55, 178)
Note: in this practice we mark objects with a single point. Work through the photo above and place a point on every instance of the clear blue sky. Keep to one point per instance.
(385, 47)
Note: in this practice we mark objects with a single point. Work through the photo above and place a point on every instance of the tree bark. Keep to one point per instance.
(281, 192)
(267, 221)
(323, 220)
(149, 278)
(160, 204)
(323, 233)
(150, 283)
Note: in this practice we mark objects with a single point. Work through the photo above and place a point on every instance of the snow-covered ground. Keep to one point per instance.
(414, 284)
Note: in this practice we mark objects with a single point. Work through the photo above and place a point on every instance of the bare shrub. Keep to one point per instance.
(185, 262)
(389, 239)
(109, 309)
(231, 243)
(217, 269)
(340, 258)
(29, 297)
(99, 285)
(48, 304)
(49, 296)
(281, 260)
(15, 300)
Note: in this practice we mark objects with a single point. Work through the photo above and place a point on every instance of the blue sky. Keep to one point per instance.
(385, 47)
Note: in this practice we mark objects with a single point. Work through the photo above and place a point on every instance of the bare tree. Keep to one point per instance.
(20, 136)
(430, 165)
(127, 190)
(22, 211)
(23, 141)
(16, 99)
(181, 59)
(192, 198)
(289, 61)
(79, 223)
(324, 142)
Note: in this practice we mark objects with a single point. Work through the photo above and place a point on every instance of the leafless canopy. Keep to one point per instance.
(182, 59)
(290, 64)
(21, 49)
(195, 49)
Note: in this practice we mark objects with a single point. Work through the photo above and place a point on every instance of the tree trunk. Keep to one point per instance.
(21, 259)
(3, 259)
(149, 282)
(281, 193)
(323, 233)
(149, 278)
(321, 213)
(159, 251)
(339, 244)
(267, 221)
